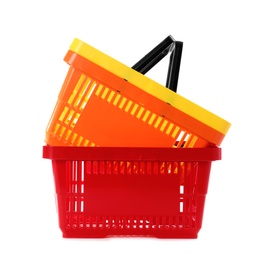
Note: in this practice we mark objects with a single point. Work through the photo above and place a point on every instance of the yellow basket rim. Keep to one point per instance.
(150, 86)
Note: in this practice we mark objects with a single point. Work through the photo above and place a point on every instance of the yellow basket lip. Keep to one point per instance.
(150, 86)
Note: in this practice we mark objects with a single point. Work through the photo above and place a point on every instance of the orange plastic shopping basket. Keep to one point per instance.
(105, 103)
(116, 191)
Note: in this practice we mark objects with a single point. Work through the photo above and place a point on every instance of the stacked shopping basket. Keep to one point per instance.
(129, 156)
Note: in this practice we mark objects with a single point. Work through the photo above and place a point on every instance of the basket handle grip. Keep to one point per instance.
(157, 54)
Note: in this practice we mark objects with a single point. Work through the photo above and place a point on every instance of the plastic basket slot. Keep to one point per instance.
(65, 129)
(78, 169)
(77, 221)
(128, 167)
(82, 91)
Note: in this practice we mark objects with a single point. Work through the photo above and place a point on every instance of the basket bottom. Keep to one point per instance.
(158, 227)
(160, 234)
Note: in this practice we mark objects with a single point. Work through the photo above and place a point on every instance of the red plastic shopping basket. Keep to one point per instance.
(116, 191)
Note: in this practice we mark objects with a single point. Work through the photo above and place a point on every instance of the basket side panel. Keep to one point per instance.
(144, 198)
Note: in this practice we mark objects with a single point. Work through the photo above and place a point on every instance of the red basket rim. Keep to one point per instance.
(211, 153)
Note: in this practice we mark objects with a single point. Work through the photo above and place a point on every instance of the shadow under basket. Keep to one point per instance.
(121, 191)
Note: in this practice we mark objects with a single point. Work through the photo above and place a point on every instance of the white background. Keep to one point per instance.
(221, 70)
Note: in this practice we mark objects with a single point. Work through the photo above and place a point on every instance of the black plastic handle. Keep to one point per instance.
(174, 66)
(154, 56)
(157, 54)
